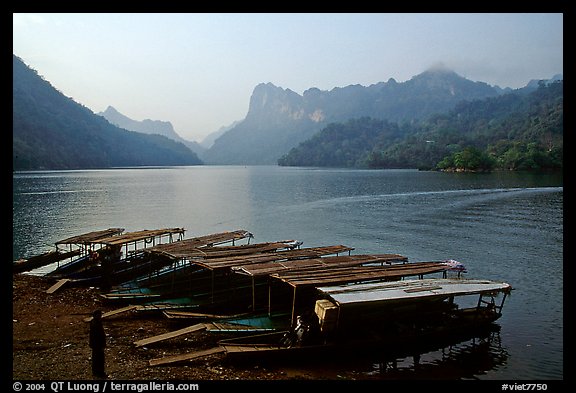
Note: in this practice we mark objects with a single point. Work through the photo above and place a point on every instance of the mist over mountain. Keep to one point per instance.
(148, 126)
(279, 119)
(52, 131)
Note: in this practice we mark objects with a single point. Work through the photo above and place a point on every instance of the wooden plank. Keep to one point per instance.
(172, 334)
(197, 315)
(58, 285)
(124, 296)
(118, 311)
(185, 356)
(114, 312)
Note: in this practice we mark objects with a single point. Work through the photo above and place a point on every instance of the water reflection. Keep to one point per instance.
(461, 358)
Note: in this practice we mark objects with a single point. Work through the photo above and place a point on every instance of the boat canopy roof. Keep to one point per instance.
(183, 248)
(411, 289)
(87, 238)
(137, 236)
(313, 264)
(234, 251)
(352, 274)
(245, 260)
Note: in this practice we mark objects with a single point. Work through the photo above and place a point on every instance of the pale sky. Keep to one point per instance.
(198, 70)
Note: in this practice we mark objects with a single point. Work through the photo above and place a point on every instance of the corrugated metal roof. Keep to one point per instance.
(410, 289)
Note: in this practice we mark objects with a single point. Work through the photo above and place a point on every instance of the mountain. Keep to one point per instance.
(209, 140)
(52, 131)
(534, 83)
(521, 130)
(279, 119)
(276, 121)
(148, 126)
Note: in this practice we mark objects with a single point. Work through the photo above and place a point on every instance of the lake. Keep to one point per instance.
(501, 226)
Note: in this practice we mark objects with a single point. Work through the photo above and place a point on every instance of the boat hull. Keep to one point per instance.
(398, 341)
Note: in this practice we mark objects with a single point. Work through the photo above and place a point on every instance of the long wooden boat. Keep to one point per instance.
(73, 246)
(212, 277)
(139, 260)
(37, 261)
(97, 247)
(382, 314)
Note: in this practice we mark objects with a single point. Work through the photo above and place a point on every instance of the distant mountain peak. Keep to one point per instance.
(268, 99)
(111, 109)
(148, 126)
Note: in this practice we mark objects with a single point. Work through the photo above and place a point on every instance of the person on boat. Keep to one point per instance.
(295, 336)
(97, 343)
(94, 256)
(301, 331)
(107, 269)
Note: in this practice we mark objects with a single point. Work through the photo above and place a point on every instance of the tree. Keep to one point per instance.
(469, 159)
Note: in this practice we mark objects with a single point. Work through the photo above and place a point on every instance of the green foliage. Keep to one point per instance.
(469, 159)
(341, 144)
(515, 131)
(51, 131)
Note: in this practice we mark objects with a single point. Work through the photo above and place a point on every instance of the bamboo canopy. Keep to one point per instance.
(90, 237)
(138, 236)
(244, 260)
(348, 274)
(203, 251)
(185, 248)
(313, 264)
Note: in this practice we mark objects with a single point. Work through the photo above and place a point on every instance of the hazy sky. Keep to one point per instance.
(198, 70)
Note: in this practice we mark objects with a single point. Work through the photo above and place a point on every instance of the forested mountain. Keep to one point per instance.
(279, 119)
(52, 131)
(148, 126)
(517, 130)
(344, 144)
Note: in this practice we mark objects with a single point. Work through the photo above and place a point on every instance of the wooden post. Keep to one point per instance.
(269, 296)
(253, 294)
(212, 296)
(294, 307)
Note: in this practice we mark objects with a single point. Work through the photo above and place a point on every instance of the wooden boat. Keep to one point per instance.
(99, 249)
(285, 302)
(182, 265)
(213, 279)
(73, 246)
(143, 256)
(389, 315)
(36, 261)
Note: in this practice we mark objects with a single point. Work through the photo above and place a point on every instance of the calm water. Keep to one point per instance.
(505, 227)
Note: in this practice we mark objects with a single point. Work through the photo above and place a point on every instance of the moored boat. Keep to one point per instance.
(388, 315)
(40, 260)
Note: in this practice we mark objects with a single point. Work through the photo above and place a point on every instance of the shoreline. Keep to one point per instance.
(50, 342)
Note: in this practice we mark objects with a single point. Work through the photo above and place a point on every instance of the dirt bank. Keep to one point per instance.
(50, 342)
